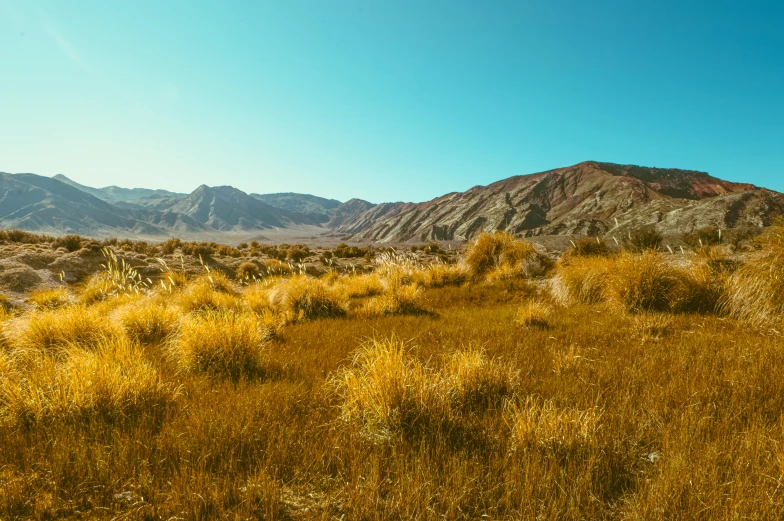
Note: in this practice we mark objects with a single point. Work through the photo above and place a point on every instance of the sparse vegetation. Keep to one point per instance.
(622, 385)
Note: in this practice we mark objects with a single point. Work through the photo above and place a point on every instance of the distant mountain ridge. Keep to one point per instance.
(594, 198)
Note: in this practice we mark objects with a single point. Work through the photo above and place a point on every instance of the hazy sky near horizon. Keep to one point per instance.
(387, 101)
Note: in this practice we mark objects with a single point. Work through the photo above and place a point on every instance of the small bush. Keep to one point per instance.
(306, 298)
(248, 271)
(69, 242)
(397, 300)
(643, 239)
(587, 247)
(51, 298)
(385, 391)
(149, 323)
(61, 328)
(581, 280)
(475, 381)
(534, 314)
(111, 380)
(643, 283)
(225, 344)
(501, 253)
(707, 236)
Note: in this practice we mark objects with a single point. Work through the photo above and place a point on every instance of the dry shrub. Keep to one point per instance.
(357, 286)
(209, 292)
(586, 247)
(755, 291)
(257, 298)
(149, 322)
(541, 424)
(397, 300)
(66, 327)
(226, 344)
(97, 289)
(386, 391)
(534, 314)
(643, 283)
(307, 298)
(475, 381)
(702, 285)
(499, 255)
(581, 280)
(110, 380)
(248, 271)
(51, 298)
(438, 275)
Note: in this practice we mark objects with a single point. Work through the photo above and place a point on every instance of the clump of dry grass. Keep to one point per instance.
(474, 380)
(534, 314)
(306, 298)
(536, 423)
(227, 344)
(209, 292)
(61, 328)
(51, 298)
(499, 255)
(755, 291)
(110, 380)
(643, 283)
(357, 286)
(257, 298)
(386, 391)
(438, 275)
(149, 322)
(581, 279)
(397, 300)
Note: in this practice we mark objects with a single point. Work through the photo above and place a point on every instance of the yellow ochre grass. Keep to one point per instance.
(612, 385)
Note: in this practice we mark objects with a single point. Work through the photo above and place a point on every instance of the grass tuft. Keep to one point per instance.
(499, 255)
(534, 314)
(51, 298)
(62, 328)
(306, 298)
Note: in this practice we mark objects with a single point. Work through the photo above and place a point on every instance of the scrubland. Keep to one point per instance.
(610, 384)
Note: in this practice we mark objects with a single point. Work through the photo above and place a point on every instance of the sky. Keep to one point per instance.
(387, 100)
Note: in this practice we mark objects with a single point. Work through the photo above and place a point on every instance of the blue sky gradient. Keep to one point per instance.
(386, 101)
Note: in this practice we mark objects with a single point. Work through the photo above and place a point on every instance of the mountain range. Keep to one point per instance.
(590, 198)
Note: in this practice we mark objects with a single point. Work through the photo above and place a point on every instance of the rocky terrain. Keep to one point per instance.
(589, 198)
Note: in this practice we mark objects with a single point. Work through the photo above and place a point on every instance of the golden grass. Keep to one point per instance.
(210, 292)
(438, 275)
(499, 255)
(226, 344)
(534, 314)
(51, 298)
(453, 414)
(149, 322)
(755, 292)
(61, 328)
(306, 298)
(111, 379)
(386, 391)
(397, 300)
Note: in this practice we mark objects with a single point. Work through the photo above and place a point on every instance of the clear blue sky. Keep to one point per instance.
(393, 100)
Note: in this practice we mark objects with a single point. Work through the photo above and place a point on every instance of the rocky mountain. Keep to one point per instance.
(317, 209)
(125, 195)
(587, 198)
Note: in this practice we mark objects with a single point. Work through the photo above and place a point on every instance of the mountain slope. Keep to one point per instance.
(118, 194)
(317, 209)
(225, 208)
(586, 198)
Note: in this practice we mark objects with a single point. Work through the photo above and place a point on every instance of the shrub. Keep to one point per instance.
(209, 292)
(581, 280)
(344, 251)
(587, 247)
(355, 286)
(438, 275)
(707, 236)
(149, 322)
(397, 300)
(170, 246)
(643, 239)
(755, 291)
(51, 298)
(60, 328)
(112, 380)
(643, 283)
(534, 314)
(69, 242)
(501, 253)
(385, 391)
(248, 271)
(474, 381)
(306, 298)
(226, 344)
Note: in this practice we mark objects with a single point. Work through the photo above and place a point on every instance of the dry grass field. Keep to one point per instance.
(609, 385)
